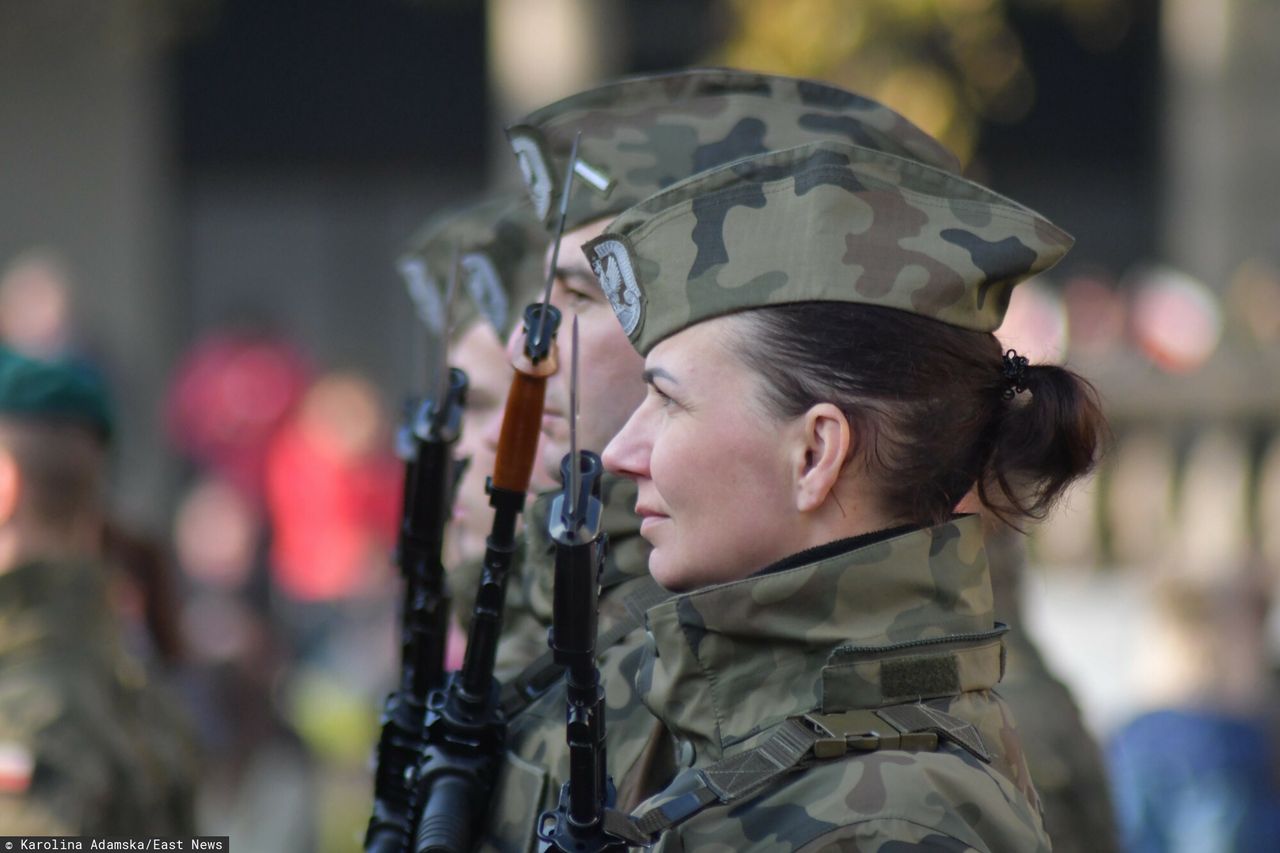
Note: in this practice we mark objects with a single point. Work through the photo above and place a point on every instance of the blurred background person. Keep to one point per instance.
(90, 745)
(333, 489)
(1197, 770)
(259, 784)
(36, 305)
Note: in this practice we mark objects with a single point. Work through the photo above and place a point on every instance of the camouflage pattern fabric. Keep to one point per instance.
(500, 246)
(537, 759)
(88, 746)
(903, 619)
(644, 133)
(820, 222)
(1065, 761)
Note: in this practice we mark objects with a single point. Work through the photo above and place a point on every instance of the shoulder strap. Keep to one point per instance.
(798, 742)
(543, 671)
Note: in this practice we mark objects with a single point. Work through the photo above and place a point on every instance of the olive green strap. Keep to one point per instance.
(543, 671)
(814, 736)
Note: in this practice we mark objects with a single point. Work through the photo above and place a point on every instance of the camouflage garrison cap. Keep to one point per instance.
(825, 221)
(63, 392)
(642, 134)
(500, 246)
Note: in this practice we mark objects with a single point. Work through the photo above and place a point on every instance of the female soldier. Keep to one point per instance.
(823, 390)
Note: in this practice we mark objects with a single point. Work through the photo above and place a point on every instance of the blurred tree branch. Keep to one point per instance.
(948, 65)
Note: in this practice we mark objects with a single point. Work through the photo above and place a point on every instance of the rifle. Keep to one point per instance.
(465, 725)
(424, 443)
(577, 823)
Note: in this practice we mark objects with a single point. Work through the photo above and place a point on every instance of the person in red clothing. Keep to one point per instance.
(332, 490)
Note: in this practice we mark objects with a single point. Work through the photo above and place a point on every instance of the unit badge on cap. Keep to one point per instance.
(485, 289)
(534, 170)
(612, 265)
(424, 293)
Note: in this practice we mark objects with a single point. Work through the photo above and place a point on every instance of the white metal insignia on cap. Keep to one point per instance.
(612, 265)
(486, 289)
(425, 294)
(534, 170)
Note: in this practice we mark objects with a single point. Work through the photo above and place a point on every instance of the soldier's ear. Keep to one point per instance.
(10, 485)
(826, 441)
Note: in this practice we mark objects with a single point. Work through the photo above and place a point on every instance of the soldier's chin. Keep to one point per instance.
(666, 576)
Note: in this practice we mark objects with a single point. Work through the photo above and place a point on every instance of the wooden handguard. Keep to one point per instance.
(522, 423)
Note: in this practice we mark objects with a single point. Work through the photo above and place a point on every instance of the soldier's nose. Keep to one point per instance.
(627, 454)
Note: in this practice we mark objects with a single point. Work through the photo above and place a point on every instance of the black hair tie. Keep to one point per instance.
(1014, 370)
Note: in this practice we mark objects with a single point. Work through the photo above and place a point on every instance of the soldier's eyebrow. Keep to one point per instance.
(651, 373)
(578, 274)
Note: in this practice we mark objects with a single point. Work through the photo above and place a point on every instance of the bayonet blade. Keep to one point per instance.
(555, 246)
(575, 464)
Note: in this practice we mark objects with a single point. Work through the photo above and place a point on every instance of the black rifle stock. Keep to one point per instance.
(465, 727)
(425, 444)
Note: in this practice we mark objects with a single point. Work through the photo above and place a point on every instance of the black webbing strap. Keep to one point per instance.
(799, 741)
(543, 671)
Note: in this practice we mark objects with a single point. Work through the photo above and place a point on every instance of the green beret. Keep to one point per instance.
(54, 392)
(642, 134)
(820, 222)
(500, 247)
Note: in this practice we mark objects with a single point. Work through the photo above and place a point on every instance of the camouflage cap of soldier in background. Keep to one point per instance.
(641, 134)
(499, 244)
(825, 221)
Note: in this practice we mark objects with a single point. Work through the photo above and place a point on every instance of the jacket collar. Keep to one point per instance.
(904, 618)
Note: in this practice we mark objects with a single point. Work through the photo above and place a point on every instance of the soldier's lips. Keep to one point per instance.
(648, 518)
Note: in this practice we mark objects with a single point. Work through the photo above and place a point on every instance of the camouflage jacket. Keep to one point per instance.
(901, 620)
(537, 759)
(87, 745)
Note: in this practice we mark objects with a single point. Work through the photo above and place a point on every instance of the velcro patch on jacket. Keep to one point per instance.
(870, 677)
(919, 676)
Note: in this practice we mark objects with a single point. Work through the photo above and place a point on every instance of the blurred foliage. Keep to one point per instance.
(948, 65)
